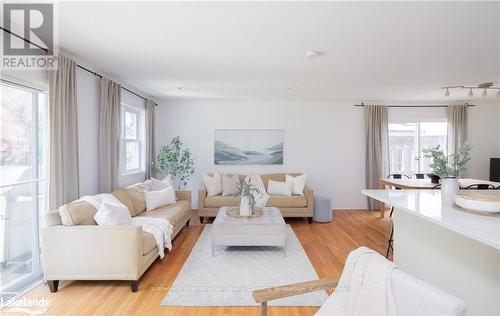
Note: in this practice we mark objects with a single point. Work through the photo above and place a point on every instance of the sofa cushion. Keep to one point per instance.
(275, 177)
(174, 213)
(136, 195)
(52, 218)
(77, 213)
(286, 201)
(148, 243)
(274, 201)
(279, 188)
(156, 199)
(122, 196)
(218, 201)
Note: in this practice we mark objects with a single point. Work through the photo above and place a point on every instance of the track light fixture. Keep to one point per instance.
(483, 86)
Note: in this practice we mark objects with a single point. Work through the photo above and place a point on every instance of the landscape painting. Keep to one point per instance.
(248, 147)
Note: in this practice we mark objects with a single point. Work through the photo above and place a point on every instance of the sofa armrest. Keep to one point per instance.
(91, 252)
(183, 195)
(309, 194)
(202, 194)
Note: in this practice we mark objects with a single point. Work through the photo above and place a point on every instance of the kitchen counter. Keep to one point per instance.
(427, 205)
(455, 251)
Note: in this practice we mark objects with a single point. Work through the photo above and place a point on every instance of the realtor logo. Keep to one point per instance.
(37, 21)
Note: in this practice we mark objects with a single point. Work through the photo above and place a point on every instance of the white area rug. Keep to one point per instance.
(229, 278)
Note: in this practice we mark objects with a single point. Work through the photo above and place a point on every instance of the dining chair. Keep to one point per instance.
(419, 176)
(480, 186)
(411, 296)
(393, 176)
(390, 241)
(397, 176)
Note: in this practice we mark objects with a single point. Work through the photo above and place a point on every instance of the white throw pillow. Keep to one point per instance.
(155, 199)
(279, 188)
(256, 180)
(213, 184)
(298, 183)
(156, 185)
(230, 184)
(112, 214)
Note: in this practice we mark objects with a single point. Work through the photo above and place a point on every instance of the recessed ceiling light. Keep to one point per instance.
(313, 53)
(292, 88)
(180, 88)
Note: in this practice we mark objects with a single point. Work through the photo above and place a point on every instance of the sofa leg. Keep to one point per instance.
(53, 285)
(134, 286)
(201, 219)
(187, 224)
(309, 220)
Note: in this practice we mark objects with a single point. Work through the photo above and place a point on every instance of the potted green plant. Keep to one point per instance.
(247, 192)
(448, 167)
(176, 159)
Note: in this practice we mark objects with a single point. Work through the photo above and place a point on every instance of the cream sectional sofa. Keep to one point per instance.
(74, 247)
(290, 206)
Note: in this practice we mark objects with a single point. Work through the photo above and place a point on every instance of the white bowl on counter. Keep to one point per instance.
(479, 202)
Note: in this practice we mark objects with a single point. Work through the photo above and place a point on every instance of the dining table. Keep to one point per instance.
(423, 184)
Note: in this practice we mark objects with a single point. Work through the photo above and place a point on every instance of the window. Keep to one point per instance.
(407, 141)
(132, 126)
(23, 130)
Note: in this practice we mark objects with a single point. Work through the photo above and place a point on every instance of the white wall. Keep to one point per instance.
(323, 139)
(88, 98)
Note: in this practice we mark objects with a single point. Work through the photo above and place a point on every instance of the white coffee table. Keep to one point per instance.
(267, 230)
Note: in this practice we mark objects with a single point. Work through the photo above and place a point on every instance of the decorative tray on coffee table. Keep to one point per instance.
(235, 212)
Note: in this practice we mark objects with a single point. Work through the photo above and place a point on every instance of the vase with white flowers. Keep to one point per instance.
(449, 168)
(247, 192)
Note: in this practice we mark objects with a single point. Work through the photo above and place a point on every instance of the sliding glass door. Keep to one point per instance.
(23, 118)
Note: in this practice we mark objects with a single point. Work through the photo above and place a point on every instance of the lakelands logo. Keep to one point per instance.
(25, 306)
(28, 36)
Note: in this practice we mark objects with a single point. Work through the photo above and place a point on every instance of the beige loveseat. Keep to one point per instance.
(290, 206)
(74, 247)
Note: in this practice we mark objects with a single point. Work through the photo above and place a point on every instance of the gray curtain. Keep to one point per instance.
(109, 135)
(150, 136)
(377, 150)
(63, 129)
(457, 127)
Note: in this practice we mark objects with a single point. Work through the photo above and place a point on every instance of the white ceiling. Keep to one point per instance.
(256, 50)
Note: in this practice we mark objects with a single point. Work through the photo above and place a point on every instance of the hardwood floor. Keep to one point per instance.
(327, 246)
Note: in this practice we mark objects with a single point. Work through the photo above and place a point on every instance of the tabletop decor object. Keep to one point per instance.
(235, 212)
(246, 192)
(448, 167)
(478, 202)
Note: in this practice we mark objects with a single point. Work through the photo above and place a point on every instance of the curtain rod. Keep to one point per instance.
(80, 66)
(416, 106)
(100, 76)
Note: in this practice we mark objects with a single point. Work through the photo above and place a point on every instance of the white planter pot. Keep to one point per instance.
(245, 209)
(449, 187)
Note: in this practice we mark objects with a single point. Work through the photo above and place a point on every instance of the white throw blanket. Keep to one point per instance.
(261, 197)
(364, 287)
(161, 228)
